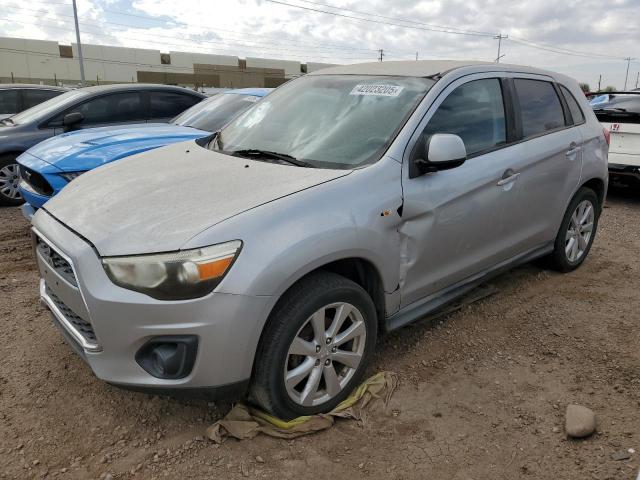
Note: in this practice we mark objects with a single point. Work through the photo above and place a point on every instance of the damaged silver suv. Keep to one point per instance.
(266, 258)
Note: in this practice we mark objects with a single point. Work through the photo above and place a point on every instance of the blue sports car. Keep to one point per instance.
(47, 167)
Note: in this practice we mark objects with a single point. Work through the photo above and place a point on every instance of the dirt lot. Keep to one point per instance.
(482, 393)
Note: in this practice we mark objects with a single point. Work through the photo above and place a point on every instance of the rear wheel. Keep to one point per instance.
(9, 180)
(577, 231)
(316, 347)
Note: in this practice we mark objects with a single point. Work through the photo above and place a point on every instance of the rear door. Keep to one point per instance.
(547, 162)
(165, 106)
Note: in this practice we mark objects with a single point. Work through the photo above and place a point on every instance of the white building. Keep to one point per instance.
(39, 61)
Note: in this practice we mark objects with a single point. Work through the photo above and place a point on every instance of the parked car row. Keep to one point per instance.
(50, 165)
(80, 109)
(266, 257)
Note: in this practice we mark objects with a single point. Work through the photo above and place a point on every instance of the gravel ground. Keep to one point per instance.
(482, 396)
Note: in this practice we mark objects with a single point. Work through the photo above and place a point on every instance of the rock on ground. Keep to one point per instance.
(580, 421)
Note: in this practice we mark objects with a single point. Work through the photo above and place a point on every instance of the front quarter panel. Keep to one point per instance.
(352, 216)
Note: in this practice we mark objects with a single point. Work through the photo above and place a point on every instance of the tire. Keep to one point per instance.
(9, 194)
(291, 320)
(563, 257)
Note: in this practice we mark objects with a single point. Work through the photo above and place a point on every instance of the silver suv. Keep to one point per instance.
(268, 257)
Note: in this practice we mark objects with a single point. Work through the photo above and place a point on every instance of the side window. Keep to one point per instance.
(169, 104)
(8, 101)
(475, 112)
(33, 97)
(574, 108)
(115, 108)
(539, 105)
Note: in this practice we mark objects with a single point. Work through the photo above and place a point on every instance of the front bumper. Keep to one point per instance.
(34, 199)
(107, 324)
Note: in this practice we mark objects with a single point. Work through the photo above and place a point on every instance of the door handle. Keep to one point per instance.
(573, 149)
(508, 176)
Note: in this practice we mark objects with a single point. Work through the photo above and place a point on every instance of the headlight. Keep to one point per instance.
(174, 276)
(71, 175)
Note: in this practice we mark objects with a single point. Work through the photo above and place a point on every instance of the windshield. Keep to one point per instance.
(214, 113)
(44, 109)
(328, 121)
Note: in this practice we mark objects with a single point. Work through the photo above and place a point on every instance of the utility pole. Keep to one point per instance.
(381, 52)
(416, 56)
(637, 79)
(75, 17)
(499, 38)
(628, 59)
(599, 81)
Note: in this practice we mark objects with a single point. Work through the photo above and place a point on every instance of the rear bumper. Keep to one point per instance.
(622, 170)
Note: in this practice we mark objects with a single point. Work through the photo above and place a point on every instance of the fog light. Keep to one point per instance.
(168, 357)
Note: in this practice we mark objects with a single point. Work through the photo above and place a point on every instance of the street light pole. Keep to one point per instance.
(75, 17)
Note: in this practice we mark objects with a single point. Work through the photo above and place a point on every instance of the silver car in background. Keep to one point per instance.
(268, 258)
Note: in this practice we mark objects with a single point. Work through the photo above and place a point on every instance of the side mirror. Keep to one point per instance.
(442, 151)
(71, 119)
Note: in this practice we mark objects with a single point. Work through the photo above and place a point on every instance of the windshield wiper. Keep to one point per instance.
(256, 153)
(8, 121)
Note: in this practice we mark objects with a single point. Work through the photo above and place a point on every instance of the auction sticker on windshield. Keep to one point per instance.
(378, 90)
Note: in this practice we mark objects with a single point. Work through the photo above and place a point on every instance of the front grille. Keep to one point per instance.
(82, 327)
(36, 181)
(56, 261)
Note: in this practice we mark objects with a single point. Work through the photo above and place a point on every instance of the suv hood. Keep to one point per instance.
(157, 201)
(87, 149)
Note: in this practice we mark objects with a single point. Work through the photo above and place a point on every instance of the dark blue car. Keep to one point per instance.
(79, 109)
(50, 165)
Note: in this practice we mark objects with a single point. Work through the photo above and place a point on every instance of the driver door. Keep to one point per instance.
(453, 219)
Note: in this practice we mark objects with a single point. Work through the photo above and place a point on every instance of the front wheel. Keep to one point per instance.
(9, 180)
(577, 231)
(315, 348)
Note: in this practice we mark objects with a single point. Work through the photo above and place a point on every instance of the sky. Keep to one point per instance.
(583, 39)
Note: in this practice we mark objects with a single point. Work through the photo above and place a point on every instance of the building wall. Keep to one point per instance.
(38, 61)
(291, 68)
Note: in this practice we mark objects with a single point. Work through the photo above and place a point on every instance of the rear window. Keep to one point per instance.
(574, 108)
(8, 101)
(169, 104)
(620, 109)
(33, 97)
(540, 107)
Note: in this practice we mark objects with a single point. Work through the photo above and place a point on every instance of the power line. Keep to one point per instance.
(560, 50)
(271, 38)
(461, 30)
(226, 44)
(379, 21)
(225, 49)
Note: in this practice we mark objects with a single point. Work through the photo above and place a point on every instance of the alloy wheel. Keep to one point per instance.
(9, 180)
(579, 231)
(325, 354)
